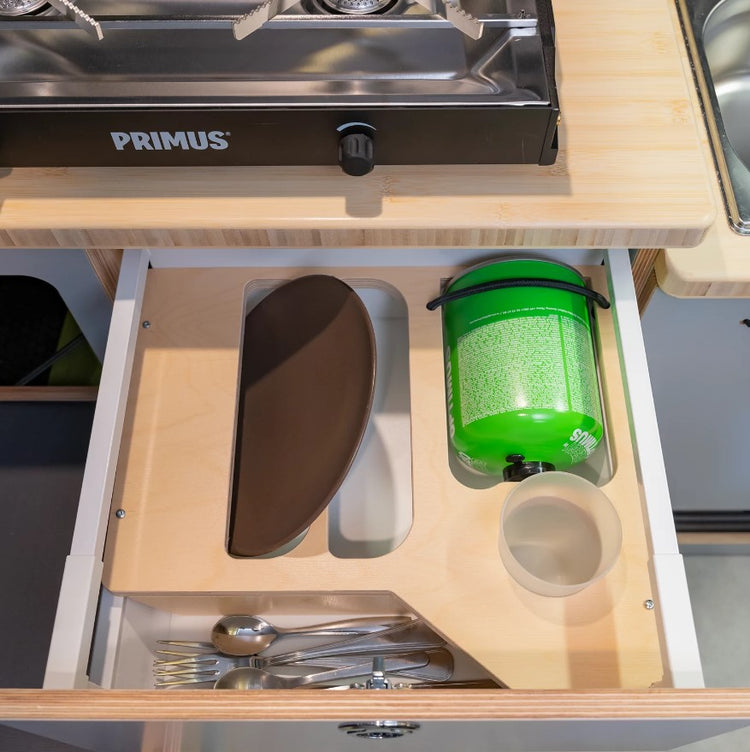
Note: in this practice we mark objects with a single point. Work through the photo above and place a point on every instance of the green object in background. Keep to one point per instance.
(521, 379)
(79, 367)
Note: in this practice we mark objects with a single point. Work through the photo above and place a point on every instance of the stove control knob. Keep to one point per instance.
(356, 153)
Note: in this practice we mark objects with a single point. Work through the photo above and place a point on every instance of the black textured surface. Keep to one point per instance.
(14, 740)
(31, 318)
(42, 453)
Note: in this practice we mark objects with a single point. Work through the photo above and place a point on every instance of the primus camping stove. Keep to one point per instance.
(277, 82)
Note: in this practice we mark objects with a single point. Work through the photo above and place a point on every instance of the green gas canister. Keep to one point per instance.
(522, 390)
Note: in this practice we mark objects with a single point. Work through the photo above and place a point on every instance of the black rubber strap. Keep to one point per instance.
(501, 284)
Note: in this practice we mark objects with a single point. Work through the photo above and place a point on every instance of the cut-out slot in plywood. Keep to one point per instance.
(174, 475)
(597, 468)
(371, 513)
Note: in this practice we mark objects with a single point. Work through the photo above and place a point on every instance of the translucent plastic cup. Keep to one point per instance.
(559, 534)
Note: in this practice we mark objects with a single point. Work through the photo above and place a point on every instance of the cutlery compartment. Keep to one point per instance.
(128, 631)
(166, 560)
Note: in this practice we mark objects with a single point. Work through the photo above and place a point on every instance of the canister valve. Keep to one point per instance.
(521, 468)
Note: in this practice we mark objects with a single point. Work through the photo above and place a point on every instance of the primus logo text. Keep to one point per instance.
(168, 140)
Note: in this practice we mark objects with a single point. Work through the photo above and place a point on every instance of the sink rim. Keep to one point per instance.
(733, 176)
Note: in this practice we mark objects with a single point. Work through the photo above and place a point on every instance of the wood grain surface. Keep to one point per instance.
(719, 267)
(425, 705)
(644, 275)
(106, 265)
(630, 173)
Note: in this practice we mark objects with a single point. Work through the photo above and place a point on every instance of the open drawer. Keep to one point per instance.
(156, 491)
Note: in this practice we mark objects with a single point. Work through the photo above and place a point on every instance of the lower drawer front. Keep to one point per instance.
(165, 558)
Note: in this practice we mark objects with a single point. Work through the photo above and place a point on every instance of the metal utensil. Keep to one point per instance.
(429, 666)
(247, 677)
(459, 684)
(451, 684)
(439, 667)
(242, 635)
(403, 638)
(194, 669)
(249, 635)
(184, 673)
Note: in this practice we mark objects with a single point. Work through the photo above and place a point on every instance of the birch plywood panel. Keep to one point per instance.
(174, 473)
(643, 720)
(669, 705)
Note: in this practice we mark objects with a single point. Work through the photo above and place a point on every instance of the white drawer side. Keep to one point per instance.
(679, 641)
(76, 609)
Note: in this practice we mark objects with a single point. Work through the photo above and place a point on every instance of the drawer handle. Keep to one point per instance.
(379, 729)
(500, 284)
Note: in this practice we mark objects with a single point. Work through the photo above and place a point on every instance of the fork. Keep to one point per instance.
(193, 669)
(430, 666)
(182, 673)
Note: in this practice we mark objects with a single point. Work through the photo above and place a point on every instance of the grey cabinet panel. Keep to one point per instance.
(699, 361)
(42, 454)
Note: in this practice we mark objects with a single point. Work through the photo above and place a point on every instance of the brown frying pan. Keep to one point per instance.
(306, 386)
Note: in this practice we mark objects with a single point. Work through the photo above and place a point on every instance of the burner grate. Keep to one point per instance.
(20, 7)
(357, 7)
(244, 17)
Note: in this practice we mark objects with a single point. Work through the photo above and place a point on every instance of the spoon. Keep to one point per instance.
(247, 677)
(250, 635)
(405, 637)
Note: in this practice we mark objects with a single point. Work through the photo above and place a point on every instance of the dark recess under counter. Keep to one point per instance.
(42, 456)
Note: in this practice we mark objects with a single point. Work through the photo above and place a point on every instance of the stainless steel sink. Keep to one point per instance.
(717, 33)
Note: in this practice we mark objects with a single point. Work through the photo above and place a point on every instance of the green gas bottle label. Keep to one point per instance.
(541, 361)
(580, 445)
(449, 388)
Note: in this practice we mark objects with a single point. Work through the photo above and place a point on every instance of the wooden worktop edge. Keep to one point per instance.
(436, 237)
(718, 266)
(321, 705)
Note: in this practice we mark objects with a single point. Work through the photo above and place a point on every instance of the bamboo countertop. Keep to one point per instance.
(629, 173)
(719, 267)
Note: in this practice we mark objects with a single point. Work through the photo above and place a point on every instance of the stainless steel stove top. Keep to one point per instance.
(293, 55)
